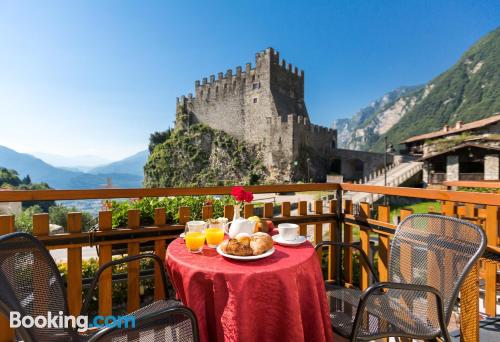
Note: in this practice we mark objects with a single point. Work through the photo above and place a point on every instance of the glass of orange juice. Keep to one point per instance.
(195, 236)
(214, 236)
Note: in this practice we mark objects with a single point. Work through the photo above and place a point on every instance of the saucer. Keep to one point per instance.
(298, 241)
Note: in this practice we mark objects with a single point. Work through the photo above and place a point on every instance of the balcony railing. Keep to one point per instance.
(339, 216)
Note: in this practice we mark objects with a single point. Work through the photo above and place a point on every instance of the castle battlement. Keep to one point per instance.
(229, 81)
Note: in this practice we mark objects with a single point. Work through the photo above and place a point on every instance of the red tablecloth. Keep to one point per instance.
(278, 298)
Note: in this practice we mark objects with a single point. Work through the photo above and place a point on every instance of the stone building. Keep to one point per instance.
(264, 106)
(462, 152)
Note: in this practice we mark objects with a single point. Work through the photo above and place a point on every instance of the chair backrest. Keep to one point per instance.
(30, 283)
(435, 250)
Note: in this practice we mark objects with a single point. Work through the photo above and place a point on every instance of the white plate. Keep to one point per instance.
(298, 241)
(246, 258)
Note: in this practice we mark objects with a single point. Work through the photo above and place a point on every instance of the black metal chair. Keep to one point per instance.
(429, 259)
(31, 284)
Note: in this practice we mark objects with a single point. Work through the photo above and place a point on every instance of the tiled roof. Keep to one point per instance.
(452, 130)
(459, 147)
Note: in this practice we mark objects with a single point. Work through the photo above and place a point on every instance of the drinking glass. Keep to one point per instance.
(195, 236)
(214, 235)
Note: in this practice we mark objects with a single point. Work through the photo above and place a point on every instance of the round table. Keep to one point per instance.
(278, 298)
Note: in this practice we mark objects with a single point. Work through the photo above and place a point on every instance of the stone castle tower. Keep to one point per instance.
(264, 106)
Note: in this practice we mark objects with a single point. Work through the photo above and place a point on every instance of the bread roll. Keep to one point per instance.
(261, 243)
(243, 238)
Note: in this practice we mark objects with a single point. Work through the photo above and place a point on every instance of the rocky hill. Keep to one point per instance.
(201, 156)
(468, 91)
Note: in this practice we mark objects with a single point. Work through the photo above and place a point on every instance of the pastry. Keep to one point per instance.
(243, 238)
(234, 247)
(260, 243)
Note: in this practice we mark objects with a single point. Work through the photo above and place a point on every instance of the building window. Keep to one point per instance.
(253, 78)
(254, 100)
(333, 143)
(256, 85)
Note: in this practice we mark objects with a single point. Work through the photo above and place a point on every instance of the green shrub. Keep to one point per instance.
(171, 204)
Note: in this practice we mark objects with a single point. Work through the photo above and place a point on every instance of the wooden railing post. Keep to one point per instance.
(133, 270)
(318, 227)
(228, 212)
(364, 238)
(285, 209)
(40, 229)
(207, 212)
(469, 307)
(333, 236)
(160, 219)
(7, 225)
(348, 239)
(303, 212)
(74, 290)
(105, 256)
(248, 210)
(383, 244)
(185, 214)
(490, 278)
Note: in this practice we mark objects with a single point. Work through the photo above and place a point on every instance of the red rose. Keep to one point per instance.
(238, 193)
(248, 197)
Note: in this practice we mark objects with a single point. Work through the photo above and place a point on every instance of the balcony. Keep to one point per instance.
(336, 220)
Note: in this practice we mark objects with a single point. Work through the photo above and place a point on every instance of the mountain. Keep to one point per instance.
(467, 91)
(133, 165)
(375, 119)
(78, 162)
(59, 178)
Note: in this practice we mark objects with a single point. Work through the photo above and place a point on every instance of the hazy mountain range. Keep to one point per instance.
(126, 173)
(468, 91)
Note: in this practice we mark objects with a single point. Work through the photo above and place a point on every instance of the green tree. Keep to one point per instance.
(58, 214)
(24, 220)
(158, 138)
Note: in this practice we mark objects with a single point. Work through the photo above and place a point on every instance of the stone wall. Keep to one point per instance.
(491, 167)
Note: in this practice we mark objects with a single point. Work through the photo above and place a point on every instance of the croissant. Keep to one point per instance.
(261, 243)
(234, 247)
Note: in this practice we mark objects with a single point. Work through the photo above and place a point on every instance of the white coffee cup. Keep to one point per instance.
(288, 231)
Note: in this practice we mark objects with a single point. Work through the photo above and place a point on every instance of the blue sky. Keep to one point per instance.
(97, 77)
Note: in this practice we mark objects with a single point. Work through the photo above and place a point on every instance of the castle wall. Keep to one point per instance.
(263, 106)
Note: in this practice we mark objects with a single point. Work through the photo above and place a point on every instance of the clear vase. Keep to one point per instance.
(236, 214)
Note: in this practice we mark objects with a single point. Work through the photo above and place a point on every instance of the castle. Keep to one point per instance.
(264, 106)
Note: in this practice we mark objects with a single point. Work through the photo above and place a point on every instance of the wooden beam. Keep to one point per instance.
(105, 256)
(7, 225)
(133, 280)
(160, 218)
(74, 290)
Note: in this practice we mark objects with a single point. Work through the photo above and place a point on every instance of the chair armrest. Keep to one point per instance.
(377, 287)
(159, 319)
(353, 246)
(101, 269)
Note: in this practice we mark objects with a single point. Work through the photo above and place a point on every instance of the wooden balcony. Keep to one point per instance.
(337, 220)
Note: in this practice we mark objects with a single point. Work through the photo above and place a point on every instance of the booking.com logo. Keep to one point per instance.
(60, 321)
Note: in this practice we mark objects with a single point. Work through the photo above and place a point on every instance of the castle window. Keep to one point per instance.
(216, 89)
(225, 85)
(333, 143)
(254, 100)
(256, 85)
(253, 78)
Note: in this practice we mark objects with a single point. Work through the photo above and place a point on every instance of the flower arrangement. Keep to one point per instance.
(240, 195)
